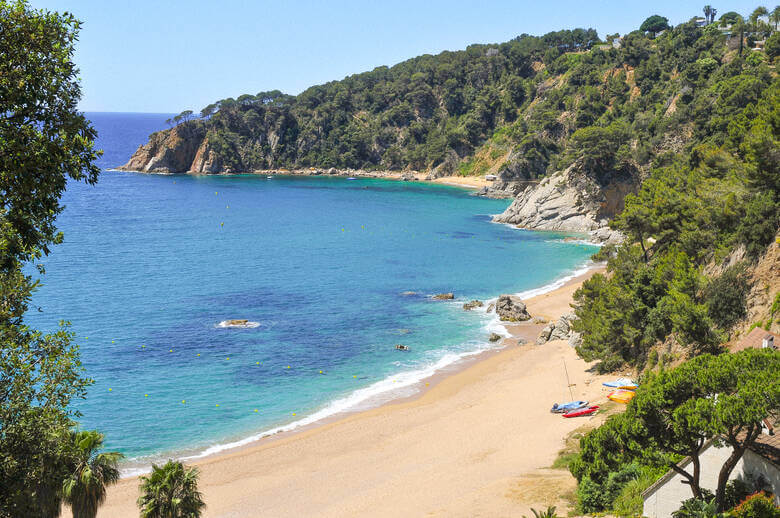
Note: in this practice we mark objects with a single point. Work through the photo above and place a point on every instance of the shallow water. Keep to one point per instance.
(152, 264)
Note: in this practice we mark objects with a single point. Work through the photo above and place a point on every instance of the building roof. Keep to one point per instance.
(753, 340)
(768, 446)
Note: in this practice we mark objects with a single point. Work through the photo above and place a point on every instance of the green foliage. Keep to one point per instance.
(772, 46)
(630, 502)
(697, 508)
(170, 491)
(90, 473)
(44, 142)
(654, 23)
(726, 296)
(547, 513)
(674, 414)
(594, 497)
(758, 505)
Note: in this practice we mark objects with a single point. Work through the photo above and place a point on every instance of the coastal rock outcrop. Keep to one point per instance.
(171, 151)
(473, 304)
(444, 296)
(494, 337)
(559, 330)
(570, 201)
(511, 309)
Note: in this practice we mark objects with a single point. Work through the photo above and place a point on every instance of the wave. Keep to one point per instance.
(402, 384)
(237, 324)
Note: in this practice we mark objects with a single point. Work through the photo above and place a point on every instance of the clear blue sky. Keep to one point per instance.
(172, 55)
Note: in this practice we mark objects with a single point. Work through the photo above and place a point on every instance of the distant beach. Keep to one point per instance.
(478, 441)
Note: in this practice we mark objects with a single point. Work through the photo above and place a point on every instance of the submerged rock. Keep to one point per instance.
(473, 304)
(239, 323)
(510, 308)
(444, 296)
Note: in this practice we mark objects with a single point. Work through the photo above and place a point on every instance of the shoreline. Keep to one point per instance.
(511, 334)
(465, 182)
(229, 466)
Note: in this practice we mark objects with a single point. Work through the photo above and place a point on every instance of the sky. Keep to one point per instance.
(166, 56)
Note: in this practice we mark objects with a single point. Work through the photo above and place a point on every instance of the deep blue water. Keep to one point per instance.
(151, 264)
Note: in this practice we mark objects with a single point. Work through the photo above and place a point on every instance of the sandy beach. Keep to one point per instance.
(477, 442)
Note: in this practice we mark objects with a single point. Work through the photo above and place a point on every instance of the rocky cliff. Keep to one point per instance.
(171, 151)
(571, 201)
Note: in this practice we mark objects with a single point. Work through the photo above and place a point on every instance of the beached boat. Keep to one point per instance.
(581, 411)
(622, 396)
(621, 383)
(567, 407)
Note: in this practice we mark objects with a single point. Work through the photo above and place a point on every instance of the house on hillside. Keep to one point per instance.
(699, 21)
(760, 462)
(757, 338)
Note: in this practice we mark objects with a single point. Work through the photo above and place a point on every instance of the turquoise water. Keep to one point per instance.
(151, 264)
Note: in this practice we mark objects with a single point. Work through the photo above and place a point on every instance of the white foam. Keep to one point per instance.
(247, 325)
(392, 387)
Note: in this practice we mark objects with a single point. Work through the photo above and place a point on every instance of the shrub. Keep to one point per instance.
(758, 505)
(726, 296)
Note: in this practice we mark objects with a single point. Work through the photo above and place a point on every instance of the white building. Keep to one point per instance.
(668, 493)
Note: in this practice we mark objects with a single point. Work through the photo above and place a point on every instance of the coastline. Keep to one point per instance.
(231, 481)
(466, 182)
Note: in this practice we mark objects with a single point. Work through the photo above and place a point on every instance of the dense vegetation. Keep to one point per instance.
(706, 202)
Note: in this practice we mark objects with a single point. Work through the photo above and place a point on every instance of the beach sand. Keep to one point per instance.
(477, 442)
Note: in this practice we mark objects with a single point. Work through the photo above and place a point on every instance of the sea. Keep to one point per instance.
(331, 274)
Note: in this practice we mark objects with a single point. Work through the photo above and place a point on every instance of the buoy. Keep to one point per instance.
(255, 410)
(293, 413)
(198, 354)
(320, 372)
(183, 400)
(112, 341)
(146, 395)
(221, 224)
(215, 193)
(227, 358)
(170, 351)
(257, 363)
(288, 366)
(110, 390)
(217, 404)
(143, 347)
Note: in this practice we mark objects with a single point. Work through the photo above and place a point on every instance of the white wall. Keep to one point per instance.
(668, 497)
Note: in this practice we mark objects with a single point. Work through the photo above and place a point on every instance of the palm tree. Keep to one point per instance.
(774, 16)
(171, 491)
(90, 474)
(708, 14)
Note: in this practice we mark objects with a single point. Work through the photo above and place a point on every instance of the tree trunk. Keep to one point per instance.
(723, 476)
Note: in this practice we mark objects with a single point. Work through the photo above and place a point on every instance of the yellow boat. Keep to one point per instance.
(622, 396)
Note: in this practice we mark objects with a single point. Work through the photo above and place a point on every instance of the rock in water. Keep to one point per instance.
(473, 304)
(510, 308)
(444, 296)
(494, 337)
(490, 307)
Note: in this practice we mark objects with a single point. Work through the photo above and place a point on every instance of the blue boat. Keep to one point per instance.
(567, 407)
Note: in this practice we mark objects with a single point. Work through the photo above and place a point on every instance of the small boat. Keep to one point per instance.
(567, 407)
(269, 177)
(400, 347)
(581, 411)
(351, 178)
(621, 383)
(622, 396)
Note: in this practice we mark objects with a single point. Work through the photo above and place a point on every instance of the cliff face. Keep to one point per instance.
(172, 151)
(570, 201)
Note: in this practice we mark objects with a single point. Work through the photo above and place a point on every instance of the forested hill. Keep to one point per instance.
(522, 109)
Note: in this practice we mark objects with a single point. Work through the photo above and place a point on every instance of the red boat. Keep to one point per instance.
(581, 411)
